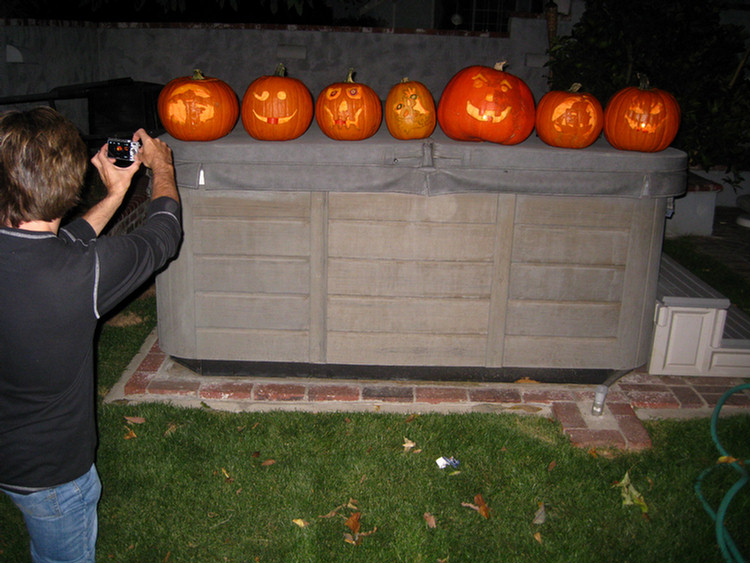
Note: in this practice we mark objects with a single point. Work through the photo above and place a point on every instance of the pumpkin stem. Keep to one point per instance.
(350, 75)
(198, 75)
(404, 80)
(643, 81)
(280, 70)
(574, 87)
(501, 65)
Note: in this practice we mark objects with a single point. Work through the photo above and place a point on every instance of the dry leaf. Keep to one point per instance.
(130, 434)
(541, 514)
(353, 522)
(552, 465)
(727, 459)
(300, 522)
(410, 418)
(525, 380)
(430, 519)
(538, 537)
(268, 462)
(483, 508)
(630, 495)
(480, 506)
(135, 419)
(171, 429)
(408, 444)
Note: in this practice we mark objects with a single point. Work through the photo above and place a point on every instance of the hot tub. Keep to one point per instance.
(433, 257)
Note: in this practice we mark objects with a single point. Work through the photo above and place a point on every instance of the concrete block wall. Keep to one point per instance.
(39, 56)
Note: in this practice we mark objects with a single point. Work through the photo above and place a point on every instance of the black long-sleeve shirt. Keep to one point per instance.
(53, 289)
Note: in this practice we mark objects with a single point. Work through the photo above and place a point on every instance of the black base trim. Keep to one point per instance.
(413, 373)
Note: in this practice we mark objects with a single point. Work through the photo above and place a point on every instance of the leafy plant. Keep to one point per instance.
(683, 48)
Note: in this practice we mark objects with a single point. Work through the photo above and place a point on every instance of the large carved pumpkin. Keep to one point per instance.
(198, 108)
(570, 119)
(486, 104)
(348, 111)
(410, 110)
(277, 107)
(641, 119)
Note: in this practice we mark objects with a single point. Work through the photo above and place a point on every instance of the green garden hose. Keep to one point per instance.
(726, 543)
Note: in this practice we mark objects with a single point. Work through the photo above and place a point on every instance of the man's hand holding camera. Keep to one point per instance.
(143, 149)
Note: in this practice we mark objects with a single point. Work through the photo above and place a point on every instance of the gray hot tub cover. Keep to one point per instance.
(433, 166)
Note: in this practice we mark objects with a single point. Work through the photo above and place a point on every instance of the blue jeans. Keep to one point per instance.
(62, 521)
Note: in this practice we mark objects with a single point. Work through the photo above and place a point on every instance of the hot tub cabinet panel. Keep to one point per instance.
(479, 278)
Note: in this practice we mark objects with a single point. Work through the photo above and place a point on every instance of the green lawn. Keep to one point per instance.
(198, 485)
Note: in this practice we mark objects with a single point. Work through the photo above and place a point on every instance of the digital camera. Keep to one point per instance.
(122, 150)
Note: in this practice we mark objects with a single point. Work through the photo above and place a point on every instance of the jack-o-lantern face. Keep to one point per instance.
(348, 111)
(641, 119)
(277, 108)
(569, 119)
(486, 104)
(410, 111)
(197, 108)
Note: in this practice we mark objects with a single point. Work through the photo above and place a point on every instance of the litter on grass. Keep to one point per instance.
(444, 462)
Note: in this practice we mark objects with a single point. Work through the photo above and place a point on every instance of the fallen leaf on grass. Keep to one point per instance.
(479, 505)
(300, 522)
(630, 495)
(408, 444)
(430, 519)
(728, 459)
(552, 465)
(227, 477)
(130, 435)
(352, 504)
(540, 517)
(171, 429)
(353, 522)
(268, 462)
(355, 538)
(135, 419)
(538, 537)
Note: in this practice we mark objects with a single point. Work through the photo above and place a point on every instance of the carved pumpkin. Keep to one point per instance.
(486, 104)
(569, 119)
(410, 110)
(348, 111)
(641, 119)
(276, 108)
(198, 108)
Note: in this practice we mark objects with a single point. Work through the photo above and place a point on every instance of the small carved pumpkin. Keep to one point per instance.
(198, 108)
(641, 119)
(486, 104)
(410, 110)
(570, 119)
(276, 108)
(348, 111)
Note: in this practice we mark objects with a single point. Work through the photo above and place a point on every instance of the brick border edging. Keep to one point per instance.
(618, 428)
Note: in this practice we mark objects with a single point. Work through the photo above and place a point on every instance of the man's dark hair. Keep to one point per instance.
(43, 163)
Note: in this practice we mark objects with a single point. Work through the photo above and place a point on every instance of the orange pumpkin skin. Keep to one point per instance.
(198, 108)
(348, 111)
(410, 110)
(569, 119)
(277, 107)
(486, 104)
(641, 119)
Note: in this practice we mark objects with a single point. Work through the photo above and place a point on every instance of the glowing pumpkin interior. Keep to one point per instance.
(190, 103)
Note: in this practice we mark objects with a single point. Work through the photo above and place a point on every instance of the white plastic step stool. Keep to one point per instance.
(696, 330)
